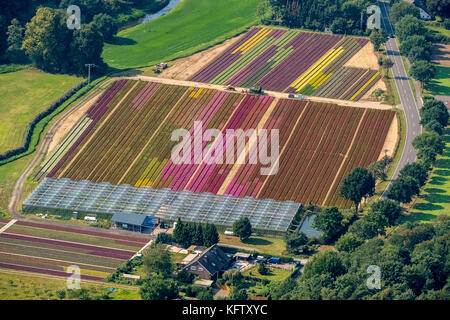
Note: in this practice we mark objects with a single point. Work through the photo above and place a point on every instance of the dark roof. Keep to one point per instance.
(213, 259)
(129, 218)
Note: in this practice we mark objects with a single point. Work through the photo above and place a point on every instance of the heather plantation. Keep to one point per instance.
(125, 138)
(295, 62)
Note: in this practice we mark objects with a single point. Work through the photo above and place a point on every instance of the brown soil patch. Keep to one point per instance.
(364, 58)
(185, 68)
(441, 54)
(67, 124)
(391, 140)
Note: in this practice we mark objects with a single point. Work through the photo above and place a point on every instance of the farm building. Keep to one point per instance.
(209, 264)
(242, 256)
(134, 222)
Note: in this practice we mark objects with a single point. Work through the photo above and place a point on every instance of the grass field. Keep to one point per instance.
(440, 85)
(23, 95)
(14, 286)
(192, 26)
(267, 245)
(436, 197)
(438, 29)
(9, 173)
(275, 274)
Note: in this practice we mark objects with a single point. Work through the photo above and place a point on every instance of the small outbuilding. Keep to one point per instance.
(242, 256)
(134, 222)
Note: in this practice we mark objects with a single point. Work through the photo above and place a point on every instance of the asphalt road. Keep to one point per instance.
(407, 100)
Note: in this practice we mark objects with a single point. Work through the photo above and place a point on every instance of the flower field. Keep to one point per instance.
(292, 61)
(127, 140)
(44, 248)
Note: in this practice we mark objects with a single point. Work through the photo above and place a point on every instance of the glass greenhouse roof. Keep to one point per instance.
(66, 194)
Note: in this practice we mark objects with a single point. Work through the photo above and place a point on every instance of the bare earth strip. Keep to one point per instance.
(185, 68)
(391, 139)
(441, 54)
(284, 148)
(69, 122)
(379, 85)
(246, 151)
(364, 58)
(355, 104)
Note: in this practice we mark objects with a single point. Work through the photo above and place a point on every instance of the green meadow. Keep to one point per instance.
(191, 26)
(440, 85)
(435, 199)
(23, 95)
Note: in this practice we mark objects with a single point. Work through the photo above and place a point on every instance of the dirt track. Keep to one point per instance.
(360, 104)
(43, 147)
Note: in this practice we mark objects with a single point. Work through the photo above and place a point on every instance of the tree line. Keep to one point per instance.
(36, 31)
(430, 144)
(191, 233)
(413, 263)
(340, 16)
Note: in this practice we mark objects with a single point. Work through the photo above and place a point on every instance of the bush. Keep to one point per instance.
(61, 294)
(164, 238)
(263, 269)
(185, 277)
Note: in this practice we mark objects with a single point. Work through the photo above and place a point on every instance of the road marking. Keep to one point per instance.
(6, 226)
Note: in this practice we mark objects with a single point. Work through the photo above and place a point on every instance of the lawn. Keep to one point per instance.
(23, 95)
(439, 29)
(436, 197)
(275, 274)
(192, 26)
(15, 286)
(440, 85)
(266, 245)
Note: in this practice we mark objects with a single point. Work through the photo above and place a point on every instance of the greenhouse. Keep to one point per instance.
(65, 195)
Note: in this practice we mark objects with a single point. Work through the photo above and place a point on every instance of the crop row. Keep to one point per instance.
(366, 148)
(291, 61)
(80, 130)
(210, 177)
(131, 240)
(31, 249)
(132, 143)
(216, 115)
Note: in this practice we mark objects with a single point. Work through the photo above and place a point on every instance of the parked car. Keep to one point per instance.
(274, 260)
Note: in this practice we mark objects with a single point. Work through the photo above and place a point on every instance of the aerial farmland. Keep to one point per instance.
(226, 149)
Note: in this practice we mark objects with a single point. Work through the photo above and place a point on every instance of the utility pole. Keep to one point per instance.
(89, 66)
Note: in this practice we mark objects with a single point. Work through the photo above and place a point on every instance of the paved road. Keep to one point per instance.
(407, 99)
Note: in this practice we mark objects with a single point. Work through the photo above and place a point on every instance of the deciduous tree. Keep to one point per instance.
(358, 184)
